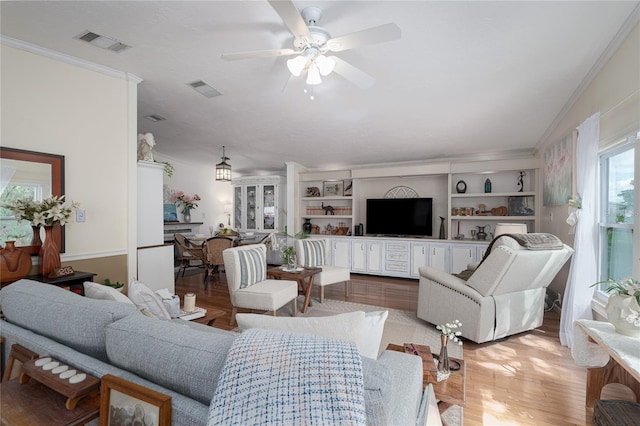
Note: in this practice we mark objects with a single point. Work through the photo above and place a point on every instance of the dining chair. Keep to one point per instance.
(189, 255)
(213, 249)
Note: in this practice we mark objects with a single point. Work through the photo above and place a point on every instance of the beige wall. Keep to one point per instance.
(54, 107)
(614, 92)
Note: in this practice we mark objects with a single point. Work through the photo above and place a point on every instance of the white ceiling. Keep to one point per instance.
(467, 78)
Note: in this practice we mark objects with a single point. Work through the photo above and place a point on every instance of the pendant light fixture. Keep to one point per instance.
(223, 169)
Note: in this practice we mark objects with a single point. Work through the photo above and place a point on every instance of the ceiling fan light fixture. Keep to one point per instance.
(297, 64)
(325, 65)
(223, 169)
(313, 75)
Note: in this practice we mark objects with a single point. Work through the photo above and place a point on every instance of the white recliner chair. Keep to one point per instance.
(249, 288)
(503, 296)
(314, 252)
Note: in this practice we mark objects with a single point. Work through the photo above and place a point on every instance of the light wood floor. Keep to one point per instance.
(527, 379)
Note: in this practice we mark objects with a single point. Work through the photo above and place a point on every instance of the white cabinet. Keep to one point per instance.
(258, 203)
(435, 255)
(366, 256)
(397, 258)
(461, 256)
(341, 252)
(439, 256)
(418, 257)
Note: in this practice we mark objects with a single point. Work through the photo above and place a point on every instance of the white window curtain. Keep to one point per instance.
(583, 271)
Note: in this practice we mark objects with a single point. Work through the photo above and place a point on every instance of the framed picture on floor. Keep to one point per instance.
(333, 188)
(124, 402)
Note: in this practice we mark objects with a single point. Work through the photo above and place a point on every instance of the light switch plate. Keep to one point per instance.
(80, 216)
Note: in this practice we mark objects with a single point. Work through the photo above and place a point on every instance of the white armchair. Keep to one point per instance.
(314, 252)
(504, 295)
(249, 288)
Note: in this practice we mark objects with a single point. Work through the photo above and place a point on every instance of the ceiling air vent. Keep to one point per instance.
(204, 89)
(154, 117)
(102, 41)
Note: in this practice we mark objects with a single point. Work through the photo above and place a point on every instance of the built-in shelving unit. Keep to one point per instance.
(311, 208)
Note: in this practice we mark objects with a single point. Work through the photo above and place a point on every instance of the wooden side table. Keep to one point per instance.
(303, 277)
(33, 403)
(72, 282)
(450, 391)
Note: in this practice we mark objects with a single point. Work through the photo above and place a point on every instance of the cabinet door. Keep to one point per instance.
(374, 257)
(269, 207)
(418, 258)
(251, 206)
(341, 253)
(237, 207)
(461, 256)
(359, 256)
(438, 257)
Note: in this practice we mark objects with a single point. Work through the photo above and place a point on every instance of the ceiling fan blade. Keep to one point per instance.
(257, 54)
(379, 34)
(353, 74)
(292, 19)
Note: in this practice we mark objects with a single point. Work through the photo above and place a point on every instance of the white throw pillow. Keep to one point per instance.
(143, 297)
(100, 291)
(372, 333)
(347, 326)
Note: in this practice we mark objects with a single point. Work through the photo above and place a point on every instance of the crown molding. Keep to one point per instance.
(608, 52)
(68, 59)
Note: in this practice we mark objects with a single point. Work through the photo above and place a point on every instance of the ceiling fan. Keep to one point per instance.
(312, 43)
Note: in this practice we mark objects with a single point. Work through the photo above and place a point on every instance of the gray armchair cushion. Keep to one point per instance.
(68, 318)
(180, 357)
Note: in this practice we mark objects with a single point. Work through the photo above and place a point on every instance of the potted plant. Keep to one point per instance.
(117, 285)
(623, 307)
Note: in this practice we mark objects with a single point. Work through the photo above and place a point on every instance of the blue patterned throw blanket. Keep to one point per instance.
(277, 378)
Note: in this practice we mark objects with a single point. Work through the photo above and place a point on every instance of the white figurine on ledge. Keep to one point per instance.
(146, 142)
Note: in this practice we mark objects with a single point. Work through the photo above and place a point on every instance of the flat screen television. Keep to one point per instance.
(399, 216)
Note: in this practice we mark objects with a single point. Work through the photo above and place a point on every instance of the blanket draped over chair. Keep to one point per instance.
(272, 377)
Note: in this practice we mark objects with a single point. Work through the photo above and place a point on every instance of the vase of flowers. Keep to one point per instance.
(449, 332)
(187, 202)
(623, 307)
(48, 213)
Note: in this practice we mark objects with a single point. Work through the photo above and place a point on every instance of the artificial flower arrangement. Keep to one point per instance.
(48, 212)
(188, 202)
(451, 331)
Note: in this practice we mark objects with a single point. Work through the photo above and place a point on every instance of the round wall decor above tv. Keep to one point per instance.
(401, 192)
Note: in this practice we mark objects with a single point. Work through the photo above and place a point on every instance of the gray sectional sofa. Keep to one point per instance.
(178, 358)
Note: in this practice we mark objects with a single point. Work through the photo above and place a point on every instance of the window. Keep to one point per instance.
(616, 219)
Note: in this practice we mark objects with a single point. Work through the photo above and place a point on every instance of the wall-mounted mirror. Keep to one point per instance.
(28, 174)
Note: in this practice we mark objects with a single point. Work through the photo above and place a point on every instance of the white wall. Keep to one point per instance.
(54, 107)
(200, 179)
(615, 93)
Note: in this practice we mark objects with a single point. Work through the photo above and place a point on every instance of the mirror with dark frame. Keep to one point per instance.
(28, 174)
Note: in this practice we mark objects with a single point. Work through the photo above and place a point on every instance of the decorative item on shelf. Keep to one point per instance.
(521, 181)
(487, 186)
(328, 210)
(307, 226)
(63, 271)
(441, 234)
(333, 188)
(348, 187)
(313, 191)
(521, 206)
(187, 202)
(146, 142)
(461, 187)
(499, 211)
(449, 332)
(456, 211)
(623, 307)
(482, 234)
(401, 192)
(482, 210)
(315, 229)
(50, 212)
(14, 262)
